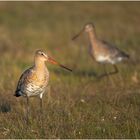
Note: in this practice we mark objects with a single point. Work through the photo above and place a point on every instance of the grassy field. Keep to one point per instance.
(81, 106)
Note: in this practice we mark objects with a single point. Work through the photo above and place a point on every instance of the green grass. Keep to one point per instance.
(80, 106)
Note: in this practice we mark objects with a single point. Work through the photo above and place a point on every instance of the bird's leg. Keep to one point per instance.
(105, 71)
(40, 109)
(116, 69)
(104, 74)
(110, 73)
(49, 93)
(41, 104)
(41, 118)
(28, 109)
(120, 77)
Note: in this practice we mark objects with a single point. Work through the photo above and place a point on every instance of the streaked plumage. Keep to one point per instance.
(31, 84)
(34, 80)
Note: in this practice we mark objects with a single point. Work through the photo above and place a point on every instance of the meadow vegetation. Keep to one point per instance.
(80, 106)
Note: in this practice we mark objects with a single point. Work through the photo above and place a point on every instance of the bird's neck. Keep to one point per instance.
(39, 65)
(92, 38)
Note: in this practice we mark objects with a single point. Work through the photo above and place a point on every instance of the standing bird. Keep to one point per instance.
(34, 81)
(102, 51)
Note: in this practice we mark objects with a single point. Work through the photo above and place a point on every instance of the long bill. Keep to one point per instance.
(51, 60)
(78, 34)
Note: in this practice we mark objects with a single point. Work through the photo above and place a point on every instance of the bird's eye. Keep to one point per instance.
(42, 54)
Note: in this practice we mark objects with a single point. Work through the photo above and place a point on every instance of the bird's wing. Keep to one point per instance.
(110, 48)
(108, 45)
(24, 78)
(113, 50)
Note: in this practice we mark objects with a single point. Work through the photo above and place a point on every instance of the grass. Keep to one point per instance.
(80, 106)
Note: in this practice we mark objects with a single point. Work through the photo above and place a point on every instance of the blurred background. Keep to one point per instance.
(81, 106)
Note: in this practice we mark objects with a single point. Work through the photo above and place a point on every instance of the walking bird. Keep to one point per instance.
(34, 81)
(102, 51)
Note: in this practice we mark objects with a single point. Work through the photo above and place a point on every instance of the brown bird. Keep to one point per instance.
(34, 81)
(102, 51)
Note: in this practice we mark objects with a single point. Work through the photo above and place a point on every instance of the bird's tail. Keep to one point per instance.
(18, 93)
(125, 55)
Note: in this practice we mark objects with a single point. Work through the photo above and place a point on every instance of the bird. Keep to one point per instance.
(102, 51)
(34, 81)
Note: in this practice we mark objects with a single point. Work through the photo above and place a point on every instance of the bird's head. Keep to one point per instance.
(40, 56)
(89, 27)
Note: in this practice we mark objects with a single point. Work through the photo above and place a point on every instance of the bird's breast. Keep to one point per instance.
(39, 78)
(36, 83)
